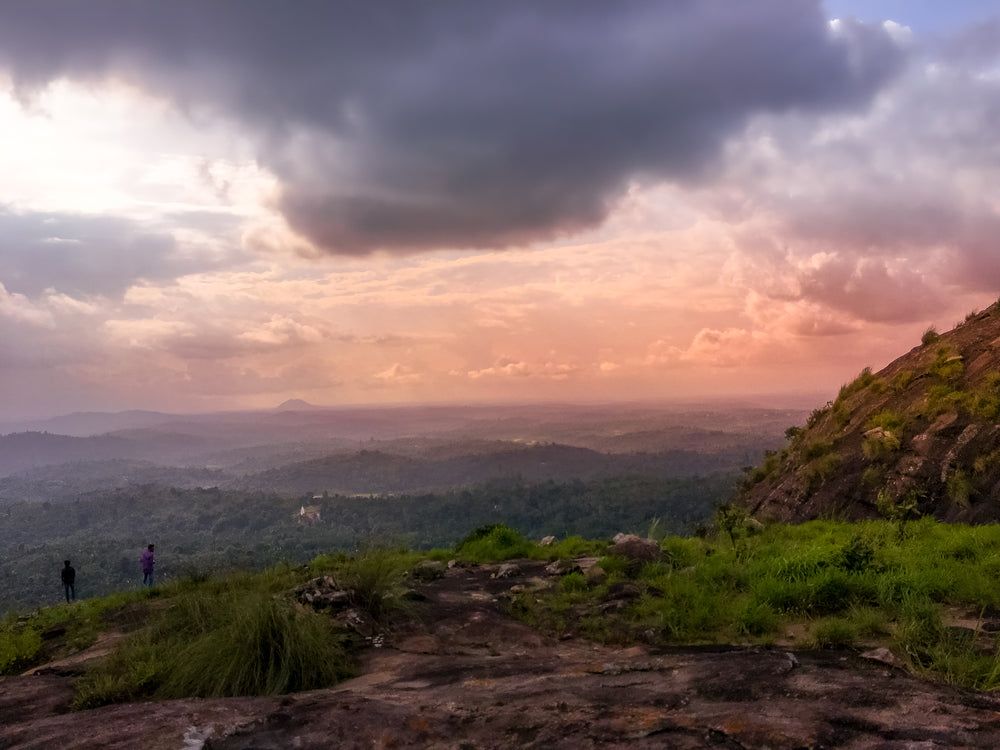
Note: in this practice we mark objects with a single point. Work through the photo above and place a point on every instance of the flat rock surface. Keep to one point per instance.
(467, 676)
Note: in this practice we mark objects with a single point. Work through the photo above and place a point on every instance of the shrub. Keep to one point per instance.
(772, 462)
(817, 415)
(900, 510)
(857, 555)
(930, 336)
(817, 449)
(734, 520)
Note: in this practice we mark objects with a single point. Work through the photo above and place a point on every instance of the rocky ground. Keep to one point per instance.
(466, 676)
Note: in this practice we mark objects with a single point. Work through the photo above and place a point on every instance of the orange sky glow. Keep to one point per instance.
(168, 244)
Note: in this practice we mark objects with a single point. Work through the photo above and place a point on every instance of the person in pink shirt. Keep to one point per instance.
(147, 566)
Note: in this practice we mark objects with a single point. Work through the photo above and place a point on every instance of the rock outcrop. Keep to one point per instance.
(465, 675)
(920, 437)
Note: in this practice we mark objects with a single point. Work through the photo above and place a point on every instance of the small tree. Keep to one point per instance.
(900, 510)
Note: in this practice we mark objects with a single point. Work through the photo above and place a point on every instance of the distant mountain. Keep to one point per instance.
(920, 437)
(30, 450)
(379, 472)
(83, 424)
(296, 404)
(441, 444)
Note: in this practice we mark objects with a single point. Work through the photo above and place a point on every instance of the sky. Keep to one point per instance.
(224, 205)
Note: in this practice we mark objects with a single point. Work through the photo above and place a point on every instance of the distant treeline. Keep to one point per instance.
(199, 531)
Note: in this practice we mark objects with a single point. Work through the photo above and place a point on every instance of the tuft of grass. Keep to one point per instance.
(872, 477)
(757, 619)
(835, 632)
(494, 543)
(880, 445)
(243, 642)
(901, 381)
(818, 471)
(960, 488)
(929, 336)
(375, 581)
(883, 436)
(576, 546)
(255, 645)
(948, 364)
(20, 645)
(862, 381)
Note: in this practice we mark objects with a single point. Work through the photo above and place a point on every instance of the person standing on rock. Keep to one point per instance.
(147, 566)
(68, 575)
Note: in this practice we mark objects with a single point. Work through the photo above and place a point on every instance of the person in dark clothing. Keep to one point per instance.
(147, 566)
(69, 581)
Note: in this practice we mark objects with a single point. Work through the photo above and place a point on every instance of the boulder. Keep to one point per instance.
(547, 541)
(322, 593)
(508, 570)
(429, 570)
(562, 567)
(635, 548)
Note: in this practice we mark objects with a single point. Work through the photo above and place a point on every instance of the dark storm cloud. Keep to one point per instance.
(447, 123)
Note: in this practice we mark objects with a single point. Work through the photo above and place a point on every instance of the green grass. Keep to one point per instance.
(836, 585)
(246, 634)
(22, 645)
(844, 585)
(243, 642)
(493, 543)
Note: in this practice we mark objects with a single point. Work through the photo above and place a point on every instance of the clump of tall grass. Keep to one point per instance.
(375, 581)
(493, 543)
(243, 642)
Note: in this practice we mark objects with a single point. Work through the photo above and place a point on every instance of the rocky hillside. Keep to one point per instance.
(920, 437)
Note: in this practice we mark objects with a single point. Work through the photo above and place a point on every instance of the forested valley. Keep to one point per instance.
(199, 532)
(218, 493)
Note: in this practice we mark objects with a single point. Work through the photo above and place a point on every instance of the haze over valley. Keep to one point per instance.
(214, 489)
